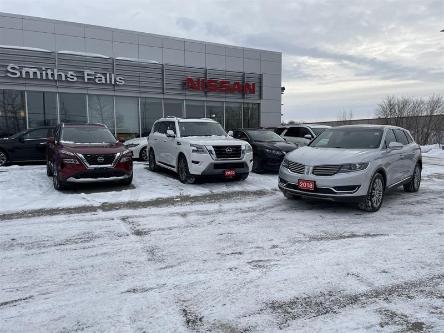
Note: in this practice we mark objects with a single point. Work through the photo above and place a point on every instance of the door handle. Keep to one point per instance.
(42, 143)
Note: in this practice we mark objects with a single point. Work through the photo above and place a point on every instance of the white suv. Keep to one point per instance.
(195, 147)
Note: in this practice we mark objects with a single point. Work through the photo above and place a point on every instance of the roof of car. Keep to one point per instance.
(187, 119)
(307, 125)
(82, 125)
(368, 126)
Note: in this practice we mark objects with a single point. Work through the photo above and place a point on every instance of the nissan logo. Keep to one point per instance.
(228, 150)
(100, 159)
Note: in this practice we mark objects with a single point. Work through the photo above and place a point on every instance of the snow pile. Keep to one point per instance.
(433, 150)
(27, 187)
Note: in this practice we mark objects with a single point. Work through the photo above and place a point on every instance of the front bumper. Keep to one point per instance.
(350, 187)
(204, 164)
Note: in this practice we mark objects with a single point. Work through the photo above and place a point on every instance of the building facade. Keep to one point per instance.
(53, 71)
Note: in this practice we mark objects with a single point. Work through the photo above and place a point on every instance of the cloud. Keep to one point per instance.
(337, 55)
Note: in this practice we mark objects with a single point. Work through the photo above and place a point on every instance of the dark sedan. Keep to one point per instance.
(269, 148)
(25, 146)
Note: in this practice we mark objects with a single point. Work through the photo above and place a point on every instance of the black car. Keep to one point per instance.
(26, 146)
(269, 148)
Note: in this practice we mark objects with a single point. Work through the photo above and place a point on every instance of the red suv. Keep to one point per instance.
(87, 153)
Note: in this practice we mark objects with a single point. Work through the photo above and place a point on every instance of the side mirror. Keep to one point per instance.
(21, 139)
(395, 145)
(170, 134)
(50, 140)
(121, 140)
(230, 133)
(308, 137)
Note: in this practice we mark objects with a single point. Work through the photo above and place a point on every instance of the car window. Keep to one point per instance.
(170, 125)
(304, 131)
(401, 137)
(242, 136)
(41, 133)
(349, 138)
(265, 136)
(293, 132)
(279, 130)
(409, 136)
(161, 127)
(389, 137)
(318, 130)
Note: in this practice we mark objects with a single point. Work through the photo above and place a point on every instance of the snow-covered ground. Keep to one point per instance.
(240, 259)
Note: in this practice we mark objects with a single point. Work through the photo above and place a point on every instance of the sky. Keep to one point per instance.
(338, 55)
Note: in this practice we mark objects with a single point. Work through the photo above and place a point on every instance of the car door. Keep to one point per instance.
(170, 144)
(157, 141)
(392, 159)
(31, 146)
(406, 157)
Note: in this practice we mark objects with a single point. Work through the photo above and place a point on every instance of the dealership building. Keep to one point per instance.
(54, 71)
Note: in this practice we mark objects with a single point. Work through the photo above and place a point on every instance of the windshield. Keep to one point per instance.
(200, 128)
(87, 135)
(265, 136)
(16, 135)
(318, 130)
(349, 138)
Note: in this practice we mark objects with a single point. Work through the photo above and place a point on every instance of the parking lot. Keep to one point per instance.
(161, 256)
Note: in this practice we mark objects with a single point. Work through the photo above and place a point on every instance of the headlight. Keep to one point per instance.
(70, 161)
(198, 149)
(248, 149)
(353, 167)
(66, 152)
(285, 163)
(127, 156)
(273, 151)
(131, 145)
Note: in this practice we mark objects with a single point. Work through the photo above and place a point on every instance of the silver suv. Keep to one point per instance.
(353, 163)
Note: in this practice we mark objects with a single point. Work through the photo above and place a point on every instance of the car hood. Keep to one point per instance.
(283, 146)
(136, 141)
(212, 140)
(112, 148)
(6, 140)
(318, 156)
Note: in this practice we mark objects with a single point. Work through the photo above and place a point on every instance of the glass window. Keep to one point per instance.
(215, 111)
(12, 112)
(42, 108)
(41, 133)
(305, 131)
(72, 108)
(293, 132)
(200, 128)
(401, 137)
(318, 130)
(349, 138)
(170, 125)
(195, 109)
(101, 110)
(233, 115)
(279, 130)
(173, 107)
(265, 136)
(150, 111)
(251, 115)
(92, 134)
(389, 137)
(127, 117)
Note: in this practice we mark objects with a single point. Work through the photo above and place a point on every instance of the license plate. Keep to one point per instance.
(308, 185)
(230, 173)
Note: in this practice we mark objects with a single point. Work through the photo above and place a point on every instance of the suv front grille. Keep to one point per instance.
(99, 159)
(227, 152)
(326, 170)
(294, 166)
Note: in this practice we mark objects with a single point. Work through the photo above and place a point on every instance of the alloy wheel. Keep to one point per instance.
(144, 154)
(3, 158)
(377, 192)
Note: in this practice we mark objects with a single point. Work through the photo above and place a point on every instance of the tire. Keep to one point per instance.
(48, 169)
(56, 182)
(242, 176)
(375, 195)
(183, 172)
(127, 181)
(414, 184)
(257, 165)
(143, 155)
(3, 158)
(152, 164)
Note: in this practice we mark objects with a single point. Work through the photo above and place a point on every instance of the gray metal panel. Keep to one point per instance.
(175, 77)
(139, 77)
